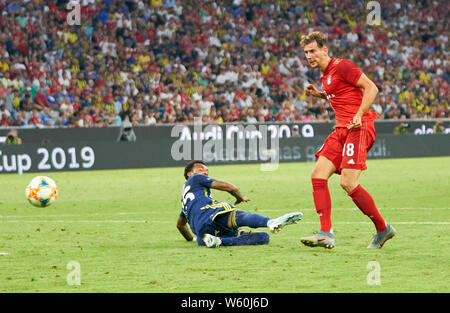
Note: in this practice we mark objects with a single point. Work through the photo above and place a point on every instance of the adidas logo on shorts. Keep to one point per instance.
(351, 161)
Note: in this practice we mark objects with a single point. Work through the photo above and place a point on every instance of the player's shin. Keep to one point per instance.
(365, 203)
(322, 202)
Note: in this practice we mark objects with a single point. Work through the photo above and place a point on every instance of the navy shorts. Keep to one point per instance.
(218, 226)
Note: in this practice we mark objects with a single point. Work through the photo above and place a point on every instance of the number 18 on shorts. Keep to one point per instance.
(347, 148)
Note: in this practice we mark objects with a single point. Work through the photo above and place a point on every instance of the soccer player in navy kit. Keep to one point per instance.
(218, 223)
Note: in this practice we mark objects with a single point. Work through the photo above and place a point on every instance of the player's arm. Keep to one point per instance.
(184, 229)
(231, 189)
(369, 94)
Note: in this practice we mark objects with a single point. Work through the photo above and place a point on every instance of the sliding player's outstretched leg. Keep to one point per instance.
(242, 218)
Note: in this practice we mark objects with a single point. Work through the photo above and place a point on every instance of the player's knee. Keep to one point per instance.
(314, 173)
(318, 172)
(264, 238)
(348, 184)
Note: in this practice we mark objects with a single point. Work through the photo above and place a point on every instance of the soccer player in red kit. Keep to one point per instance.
(350, 93)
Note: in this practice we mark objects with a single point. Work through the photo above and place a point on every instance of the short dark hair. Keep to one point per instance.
(190, 165)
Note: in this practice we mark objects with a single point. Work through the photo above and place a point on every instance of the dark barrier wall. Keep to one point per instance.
(171, 151)
(286, 130)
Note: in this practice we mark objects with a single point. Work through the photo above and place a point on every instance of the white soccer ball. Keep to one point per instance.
(41, 191)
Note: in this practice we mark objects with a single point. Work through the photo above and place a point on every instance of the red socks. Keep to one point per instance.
(360, 197)
(322, 202)
(366, 204)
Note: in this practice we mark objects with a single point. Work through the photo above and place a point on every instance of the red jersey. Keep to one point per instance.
(339, 83)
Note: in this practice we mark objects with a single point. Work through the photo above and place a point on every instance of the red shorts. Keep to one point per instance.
(347, 148)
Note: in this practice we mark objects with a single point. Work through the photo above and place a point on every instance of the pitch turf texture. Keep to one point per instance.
(119, 226)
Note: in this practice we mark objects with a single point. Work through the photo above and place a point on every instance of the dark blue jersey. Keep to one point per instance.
(197, 205)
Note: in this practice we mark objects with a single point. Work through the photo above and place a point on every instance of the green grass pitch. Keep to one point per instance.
(119, 226)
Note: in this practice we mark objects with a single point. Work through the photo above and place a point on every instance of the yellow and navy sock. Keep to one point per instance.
(242, 218)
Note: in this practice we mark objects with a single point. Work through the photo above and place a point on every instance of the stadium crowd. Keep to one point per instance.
(168, 61)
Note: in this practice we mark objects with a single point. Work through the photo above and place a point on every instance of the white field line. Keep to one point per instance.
(153, 211)
(25, 218)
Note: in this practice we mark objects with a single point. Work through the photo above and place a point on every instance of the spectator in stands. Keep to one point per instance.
(13, 138)
(438, 127)
(401, 128)
(127, 132)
